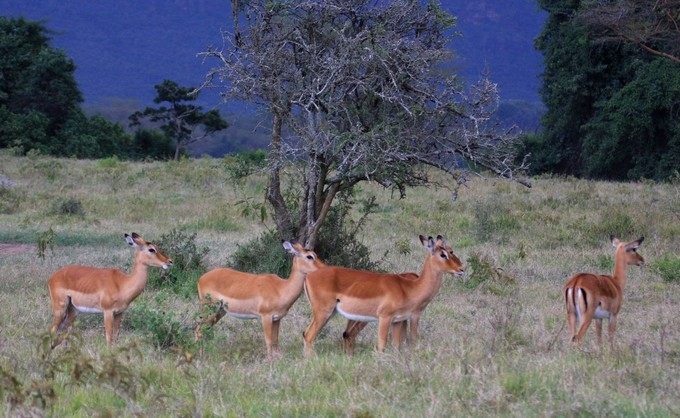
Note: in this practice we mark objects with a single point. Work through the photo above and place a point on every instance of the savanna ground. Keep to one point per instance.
(492, 343)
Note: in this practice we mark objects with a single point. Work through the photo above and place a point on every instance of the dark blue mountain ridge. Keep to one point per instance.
(123, 48)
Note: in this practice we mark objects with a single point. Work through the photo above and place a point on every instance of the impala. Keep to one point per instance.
(399, 330)
(251, 296)
(76, 289)
(596, 296)
(367, 296)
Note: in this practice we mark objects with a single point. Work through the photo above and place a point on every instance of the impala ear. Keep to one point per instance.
(442, 241)
(635, 244)
(131, 241)
(289, 247)
(615, 241)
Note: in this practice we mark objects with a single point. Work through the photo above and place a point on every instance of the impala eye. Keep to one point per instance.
(152, 250)
(443, 255)
(310, 257)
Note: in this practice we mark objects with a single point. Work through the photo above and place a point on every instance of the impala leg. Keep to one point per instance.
(275, 337)
(108, 325)
(598, 331)
(210, 321)
(415, 322)
(267, 326)
(63, 312)
(610, 330)
(318, 321)
(117, 318)
(399, 331)
(384, 324)
(571, 320)
(585, 323)
(351, 332)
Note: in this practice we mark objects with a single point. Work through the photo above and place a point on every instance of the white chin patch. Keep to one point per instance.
(165, 267)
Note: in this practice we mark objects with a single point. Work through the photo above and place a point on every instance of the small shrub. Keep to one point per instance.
(188, 263)
(108, 163)
(9, 199)
(668, 268)
(45, 241)
(162, 328)
(245, 163)
(263, 254)
(484, 270)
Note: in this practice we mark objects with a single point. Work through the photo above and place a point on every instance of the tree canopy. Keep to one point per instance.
(612, 107)
(357, 93)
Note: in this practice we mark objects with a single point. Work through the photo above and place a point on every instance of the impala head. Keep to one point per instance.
(443, 257)
(304, 261)
(149, 252)
(630, 250)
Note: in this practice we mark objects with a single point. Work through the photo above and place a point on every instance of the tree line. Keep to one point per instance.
(611, 87)
(40, 106)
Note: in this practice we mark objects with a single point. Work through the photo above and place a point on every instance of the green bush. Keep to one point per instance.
(245, 163)
(482, 269)
(162, 328)
(188, 263)
(68, 207)
(668, 268)
(263, 254)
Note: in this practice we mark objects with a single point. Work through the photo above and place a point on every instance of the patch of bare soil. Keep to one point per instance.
(8, 248)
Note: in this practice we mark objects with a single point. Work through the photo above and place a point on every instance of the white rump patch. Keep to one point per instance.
(243, 316)
(86, 309)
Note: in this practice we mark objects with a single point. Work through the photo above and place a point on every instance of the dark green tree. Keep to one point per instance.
(183, 122)
(612, 108)
(34, 77)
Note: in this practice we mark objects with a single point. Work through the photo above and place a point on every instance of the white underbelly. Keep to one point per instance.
(365, 318)
(86, 309)
(601, 313)
(243, 315)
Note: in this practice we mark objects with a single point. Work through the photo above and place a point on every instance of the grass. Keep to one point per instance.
(499, 348)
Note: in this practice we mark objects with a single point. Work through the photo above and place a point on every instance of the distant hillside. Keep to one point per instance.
(123, 48)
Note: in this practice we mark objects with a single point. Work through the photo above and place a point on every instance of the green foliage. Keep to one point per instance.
(263, 254)
(69, 207)
(339, 242)
(152, 144)
(93, 137)
(611, 107)
(188, 263)
(46, 240)
(244, 163)
(10, 199)
(493, 219)
(179, 121)
(162, 328)
(484, 271)
(668, 267)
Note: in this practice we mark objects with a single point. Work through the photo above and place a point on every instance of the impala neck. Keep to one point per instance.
(430, 279)
(295, 283)
(136, 281)
(620, 267)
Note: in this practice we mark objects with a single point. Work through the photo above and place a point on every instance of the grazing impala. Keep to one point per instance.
(367, 296)
(76, 289)
(251, 296)
(596, 296)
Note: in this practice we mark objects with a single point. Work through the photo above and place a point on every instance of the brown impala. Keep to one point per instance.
(258, 296)
(597, 296)
(366, 296)
(76, 289)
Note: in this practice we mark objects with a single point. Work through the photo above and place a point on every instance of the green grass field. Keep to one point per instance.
(489, 345)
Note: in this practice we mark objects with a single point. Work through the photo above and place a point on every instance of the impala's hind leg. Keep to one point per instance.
(210, 320)
(598, 331)
(351, 332)
(320, 318)
(64, 312)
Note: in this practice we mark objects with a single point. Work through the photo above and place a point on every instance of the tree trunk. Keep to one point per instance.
(281, 215)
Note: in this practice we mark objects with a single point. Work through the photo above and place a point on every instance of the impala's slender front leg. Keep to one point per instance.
(384, 324)
(117, 318)
(611, 329)
(108, 325)
(267, 327)
(275, 337)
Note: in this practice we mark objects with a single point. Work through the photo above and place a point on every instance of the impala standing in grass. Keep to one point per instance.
(252, 296)
(76, 289)
(597, 296)
(367, 296)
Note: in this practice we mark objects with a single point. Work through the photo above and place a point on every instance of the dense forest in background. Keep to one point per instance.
(609, 109)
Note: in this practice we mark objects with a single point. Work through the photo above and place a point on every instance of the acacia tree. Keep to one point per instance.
(653, 25)
(184, 123)
(357, 93)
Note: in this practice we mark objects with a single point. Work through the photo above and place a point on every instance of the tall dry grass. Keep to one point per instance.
(498, 348)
